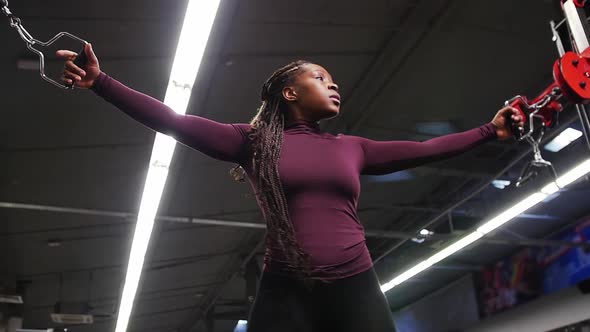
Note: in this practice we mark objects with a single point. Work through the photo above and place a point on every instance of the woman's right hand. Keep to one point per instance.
(81, 77)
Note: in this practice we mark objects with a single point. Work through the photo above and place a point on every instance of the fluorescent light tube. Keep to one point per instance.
(462, 243)
(405, 276)
(453, 248)
(569, 177)
(189, 53)
(512, 212)
(574, 174)
(152, 192)
(241, 326)
(196, 28)
(562, 140)
(525, 204)
(500, 184)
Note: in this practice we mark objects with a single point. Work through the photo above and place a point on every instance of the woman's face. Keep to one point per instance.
(314, 92)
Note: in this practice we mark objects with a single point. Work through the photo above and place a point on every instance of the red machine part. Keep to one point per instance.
(547, 112)
(578, 3)
(571, 75)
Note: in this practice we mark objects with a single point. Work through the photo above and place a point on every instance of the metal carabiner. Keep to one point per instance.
(15, 22)
(538, 163)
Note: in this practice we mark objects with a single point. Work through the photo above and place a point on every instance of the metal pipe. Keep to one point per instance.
(557, 39)
(386, 234)
(451, 226)
(577, 25)
(585, 123)
(49, 208)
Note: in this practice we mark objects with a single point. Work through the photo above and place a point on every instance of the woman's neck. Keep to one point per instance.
(293, 117)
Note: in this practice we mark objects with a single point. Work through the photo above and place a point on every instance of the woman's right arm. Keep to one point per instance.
(221, 141)
(227, 142)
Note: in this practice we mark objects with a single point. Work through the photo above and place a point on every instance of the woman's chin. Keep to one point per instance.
(332, 113)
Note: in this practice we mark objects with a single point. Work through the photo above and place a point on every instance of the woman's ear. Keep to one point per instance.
(289, 93)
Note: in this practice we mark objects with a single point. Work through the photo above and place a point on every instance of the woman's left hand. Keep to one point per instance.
(503, 126)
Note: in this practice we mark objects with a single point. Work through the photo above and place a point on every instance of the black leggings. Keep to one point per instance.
(351, 304)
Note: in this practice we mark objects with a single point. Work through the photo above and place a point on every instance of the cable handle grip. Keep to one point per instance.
(520, 104)
(80, 61)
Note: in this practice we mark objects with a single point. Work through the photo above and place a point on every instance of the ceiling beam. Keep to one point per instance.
(421, 21)
(256, 225)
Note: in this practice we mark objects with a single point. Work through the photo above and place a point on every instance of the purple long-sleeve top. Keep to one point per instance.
(319, 172)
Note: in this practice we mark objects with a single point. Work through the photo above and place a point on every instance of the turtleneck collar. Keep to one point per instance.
(303, 126)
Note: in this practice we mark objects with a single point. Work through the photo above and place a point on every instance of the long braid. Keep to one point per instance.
(267, 139)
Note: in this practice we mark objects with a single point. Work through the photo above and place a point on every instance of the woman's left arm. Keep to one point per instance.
(383, 157)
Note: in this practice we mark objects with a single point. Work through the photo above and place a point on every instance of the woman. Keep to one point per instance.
(318, 274)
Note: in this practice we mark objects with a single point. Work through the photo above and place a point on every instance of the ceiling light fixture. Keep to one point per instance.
(577, 172)
(196, 28)
(562, 140)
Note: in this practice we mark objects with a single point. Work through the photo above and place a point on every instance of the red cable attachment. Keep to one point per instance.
(580, 3)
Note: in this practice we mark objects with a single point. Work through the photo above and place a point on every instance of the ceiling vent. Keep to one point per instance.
(16, 299)
(72, 314)
(73, 319)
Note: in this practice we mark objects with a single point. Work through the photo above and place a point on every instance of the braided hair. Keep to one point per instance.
(266, 142)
